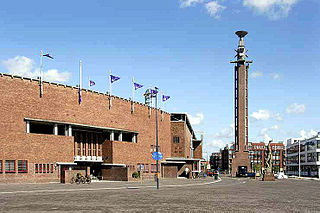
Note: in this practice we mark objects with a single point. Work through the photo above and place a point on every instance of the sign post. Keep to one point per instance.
(141, 172)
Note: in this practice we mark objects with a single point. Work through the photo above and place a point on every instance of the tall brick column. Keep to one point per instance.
(241, 107)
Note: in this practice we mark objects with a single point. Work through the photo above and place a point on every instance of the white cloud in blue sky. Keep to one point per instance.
(197, 119)
(274, 9)
(296, 108)
(214, 9)
(256, 74)
(24, 66)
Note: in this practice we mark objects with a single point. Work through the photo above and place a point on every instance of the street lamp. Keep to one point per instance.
(157, 145)
(299, 160)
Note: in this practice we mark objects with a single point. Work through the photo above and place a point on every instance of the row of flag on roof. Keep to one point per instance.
(136, 86)
(112, 78)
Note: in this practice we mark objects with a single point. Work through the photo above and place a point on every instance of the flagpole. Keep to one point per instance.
(89, 81)
(40, 78)
(110, 101)
(162, 104)
(133, 90)
(80, 81)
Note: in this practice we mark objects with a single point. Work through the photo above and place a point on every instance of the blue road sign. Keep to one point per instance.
(157, 155)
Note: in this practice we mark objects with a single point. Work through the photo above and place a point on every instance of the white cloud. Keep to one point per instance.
(267, 138)
(55, 75)
(197, 119)
(307, 134)
(24, 66)
(275, 76)
(273, 9)
(257, 74)
(296, 108)
(264, 115)
(189, 3)
(20, 65)
(215, 145)
(261, 114)
(225, 133)
(214, 9)
(277, 116)
(265, 130)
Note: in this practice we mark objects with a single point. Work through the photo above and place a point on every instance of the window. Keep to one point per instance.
(100, 149)
(84, 150)
(116, 136)
(22, 166)
(176, 139)
(61, 129)
(89, 144)
(36, 168)
(10, 166)
(1, 169)
(40, 168)
(48, 168)
(152, 148)
(51, 168)
(94, 149)
(127, 137)
(79, 148)
(146, 168)
(44, 168)
(41, 128)
(153, 168)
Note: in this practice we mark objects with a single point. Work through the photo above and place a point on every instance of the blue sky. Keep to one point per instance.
(183, 47)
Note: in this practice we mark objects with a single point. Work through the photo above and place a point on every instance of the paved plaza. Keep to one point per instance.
(175, 195)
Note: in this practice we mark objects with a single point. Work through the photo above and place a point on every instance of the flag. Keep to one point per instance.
(153, 92)
(114, 78)
(164, 97)
(47, 55)
(91, 83)
(80, 98)
(137, 86)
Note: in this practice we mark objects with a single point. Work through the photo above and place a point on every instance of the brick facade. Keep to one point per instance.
(20, 100)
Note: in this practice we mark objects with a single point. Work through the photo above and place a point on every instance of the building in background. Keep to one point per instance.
(216, 160)
(303, 161)
(227, 154)
(257, 153)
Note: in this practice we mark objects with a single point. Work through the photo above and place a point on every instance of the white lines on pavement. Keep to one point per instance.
(109, 188)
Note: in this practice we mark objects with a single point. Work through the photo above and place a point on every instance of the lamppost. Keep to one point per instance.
(157, 145)
(299, 160)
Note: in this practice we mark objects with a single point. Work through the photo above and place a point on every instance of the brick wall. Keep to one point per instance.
(180, 129)
(20, 99)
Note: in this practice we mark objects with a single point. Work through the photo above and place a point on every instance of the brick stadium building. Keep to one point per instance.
(53, 137)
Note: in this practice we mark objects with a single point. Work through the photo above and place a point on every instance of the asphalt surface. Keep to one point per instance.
(175, 195)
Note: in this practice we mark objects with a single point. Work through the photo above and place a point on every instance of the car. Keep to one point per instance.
(210, 172)
(281, 175)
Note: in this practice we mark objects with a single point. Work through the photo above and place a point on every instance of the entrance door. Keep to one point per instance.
(95, 171)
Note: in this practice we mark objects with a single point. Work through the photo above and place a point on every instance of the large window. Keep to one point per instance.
(22, 166)
(127, 137)
(176, 139)
(41, 128)
(10, 166)
(36, 168)
(1, 170)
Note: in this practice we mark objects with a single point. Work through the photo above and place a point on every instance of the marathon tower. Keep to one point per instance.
(241, 161)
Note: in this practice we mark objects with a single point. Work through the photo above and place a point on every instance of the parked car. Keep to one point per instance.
(281, 175)
(210, 172)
